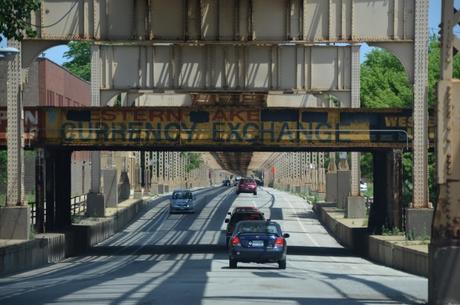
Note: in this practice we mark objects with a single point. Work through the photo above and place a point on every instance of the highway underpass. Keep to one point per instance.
(181, 259)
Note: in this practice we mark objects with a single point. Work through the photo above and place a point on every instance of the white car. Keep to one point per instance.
(362, 186)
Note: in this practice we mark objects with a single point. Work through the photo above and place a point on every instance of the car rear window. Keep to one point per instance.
(246, 181)
(258, 227)
(182, 195)
(246, 216)
(244, 209)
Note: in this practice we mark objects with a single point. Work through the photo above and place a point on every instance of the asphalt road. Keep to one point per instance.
(181, 259)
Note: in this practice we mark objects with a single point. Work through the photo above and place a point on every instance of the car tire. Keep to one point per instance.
(237, 193)
(282, 264)
(255, 193)
(232, 264)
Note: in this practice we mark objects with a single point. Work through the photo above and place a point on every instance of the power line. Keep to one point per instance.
(56, 22)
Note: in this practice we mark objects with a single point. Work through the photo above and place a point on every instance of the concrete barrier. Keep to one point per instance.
(392, 251)
(349, 232)
(396, 252)
(20, 255)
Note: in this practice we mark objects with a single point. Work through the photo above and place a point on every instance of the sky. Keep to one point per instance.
(56, 54)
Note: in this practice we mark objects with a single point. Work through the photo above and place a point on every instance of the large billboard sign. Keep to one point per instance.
(217, 127)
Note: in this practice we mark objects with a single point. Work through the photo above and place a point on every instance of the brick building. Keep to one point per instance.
(49, 84)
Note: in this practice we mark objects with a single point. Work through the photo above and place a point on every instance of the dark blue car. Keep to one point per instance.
(258, 241)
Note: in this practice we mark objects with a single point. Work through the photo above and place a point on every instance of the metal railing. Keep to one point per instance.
(78, 207)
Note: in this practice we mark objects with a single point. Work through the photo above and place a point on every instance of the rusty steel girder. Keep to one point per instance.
(219, 128)
(235, 162)
(446, 225)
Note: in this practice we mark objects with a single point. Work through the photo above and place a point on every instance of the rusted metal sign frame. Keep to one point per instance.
(220, 128)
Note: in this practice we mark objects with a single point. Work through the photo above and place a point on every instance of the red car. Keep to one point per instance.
(242, 209)
(246, 186)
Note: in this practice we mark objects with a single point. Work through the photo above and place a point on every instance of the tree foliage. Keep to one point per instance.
(14, 18)
(79, 56)
(384, 83)
(194, 160)
(3, 170)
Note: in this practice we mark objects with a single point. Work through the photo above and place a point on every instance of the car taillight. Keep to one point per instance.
(279, 242)
(236, 241)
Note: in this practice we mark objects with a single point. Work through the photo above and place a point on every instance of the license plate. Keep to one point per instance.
(257, 243)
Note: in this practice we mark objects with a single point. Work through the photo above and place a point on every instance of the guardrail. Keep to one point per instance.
(78, 207)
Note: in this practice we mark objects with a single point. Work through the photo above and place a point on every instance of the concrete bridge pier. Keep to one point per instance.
(95, 202)
(331, 179)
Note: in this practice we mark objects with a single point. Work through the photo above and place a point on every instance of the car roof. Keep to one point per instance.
(248, 211)
(258, 221)
(181, 191)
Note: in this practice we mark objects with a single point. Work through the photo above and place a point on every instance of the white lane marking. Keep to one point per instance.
(299, 222)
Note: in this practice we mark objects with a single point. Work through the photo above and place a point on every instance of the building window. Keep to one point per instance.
(50, 97)
(60, 100)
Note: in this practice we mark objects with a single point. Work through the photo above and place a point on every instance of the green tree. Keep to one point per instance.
(14, 15)
(79, 56)
(3, 170)
(194, 160)
(434, 68)
(384, 83)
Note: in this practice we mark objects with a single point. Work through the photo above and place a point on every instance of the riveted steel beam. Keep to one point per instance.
(226, 20)
(420, 169)
(226, 68)
(444, 277)
(15, 126)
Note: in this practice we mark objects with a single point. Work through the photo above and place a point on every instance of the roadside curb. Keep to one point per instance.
(390, 251)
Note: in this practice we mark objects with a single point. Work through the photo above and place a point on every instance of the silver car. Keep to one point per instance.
(182, 201)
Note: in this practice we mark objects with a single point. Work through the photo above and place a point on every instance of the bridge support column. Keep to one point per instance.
(386, 210)
(95, 203)
(343, 187)
(124, 187)
(62, 173)
(110, 177)
(343, 181)
(331, 179)
(40, 187)
(137, 179)
(444, 266)
(356, 205)
(50, 188)
(58, 189)
(15, 217)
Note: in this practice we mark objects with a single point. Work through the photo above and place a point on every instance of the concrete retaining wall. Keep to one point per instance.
(92, 231)
(398, 254)
(16, 256)
(354, 238)
(23, 256)
(391, 251)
